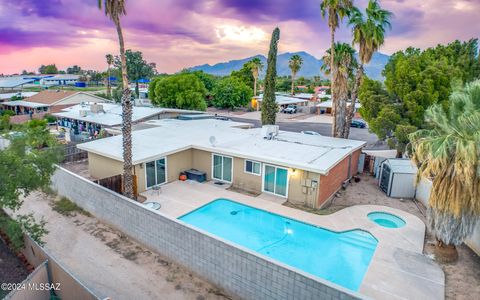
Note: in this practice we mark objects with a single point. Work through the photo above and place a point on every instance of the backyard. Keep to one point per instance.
(12, 269)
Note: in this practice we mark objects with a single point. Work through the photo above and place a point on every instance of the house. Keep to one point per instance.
(13, 83)
(326, 107)
(8, 96)
(282, 101)
(60, 79)
(86, 120)
(302, 169)
(48, 101)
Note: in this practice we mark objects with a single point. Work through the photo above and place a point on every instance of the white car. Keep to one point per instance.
(309, 132)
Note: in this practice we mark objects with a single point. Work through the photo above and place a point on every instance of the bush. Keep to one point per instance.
(50, 118)
(231, 92)
(67, 208)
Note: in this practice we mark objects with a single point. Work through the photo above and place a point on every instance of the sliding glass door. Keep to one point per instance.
(222, 168)
(155, 172)
(275, 180)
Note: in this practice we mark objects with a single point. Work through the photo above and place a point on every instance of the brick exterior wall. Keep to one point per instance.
(331, 183)
(239, 272)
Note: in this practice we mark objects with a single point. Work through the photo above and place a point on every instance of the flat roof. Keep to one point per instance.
(402, 165)
(22, 94)
(289, 149)
(284, 100)
(12, 82)
(112, 113)
(25, 104)
(329, 104)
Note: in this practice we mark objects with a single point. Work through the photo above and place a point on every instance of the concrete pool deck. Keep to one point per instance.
(398, 269)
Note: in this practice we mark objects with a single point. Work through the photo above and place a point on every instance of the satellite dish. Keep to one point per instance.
(212, 140)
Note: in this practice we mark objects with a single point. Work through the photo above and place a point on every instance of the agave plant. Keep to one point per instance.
(448, 153)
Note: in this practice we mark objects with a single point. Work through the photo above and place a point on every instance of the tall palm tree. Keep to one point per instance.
(344, 63)
(114, 9)
(336, 11)
(295, 64)
(369, 35)
(256, 66)
(109, 58)
(448, 153)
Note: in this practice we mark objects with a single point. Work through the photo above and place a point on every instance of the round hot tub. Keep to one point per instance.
(386, 220)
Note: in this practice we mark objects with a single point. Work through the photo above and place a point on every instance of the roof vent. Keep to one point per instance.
(269, 131)
(213, 140)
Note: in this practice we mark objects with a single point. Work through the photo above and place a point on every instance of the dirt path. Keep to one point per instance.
(109, 263)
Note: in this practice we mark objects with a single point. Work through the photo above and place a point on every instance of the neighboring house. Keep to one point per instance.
(282, 101)
(48, 101)
(86, 120)
(326, 107)
(61, 79)
(7, 96)
(13, 83)
(302, 169)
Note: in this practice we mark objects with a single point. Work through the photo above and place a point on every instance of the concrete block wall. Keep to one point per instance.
(239, 272)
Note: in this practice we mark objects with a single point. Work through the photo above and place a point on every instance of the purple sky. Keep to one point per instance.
(182, 33)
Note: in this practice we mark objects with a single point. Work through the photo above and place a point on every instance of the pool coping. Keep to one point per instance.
(398, 268)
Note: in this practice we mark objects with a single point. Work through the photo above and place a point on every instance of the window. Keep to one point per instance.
(252, 167)
(275, 180)
(222, 168)
(155, 172)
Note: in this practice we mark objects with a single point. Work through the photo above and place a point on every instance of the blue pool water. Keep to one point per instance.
(342, 258)
(386, 220)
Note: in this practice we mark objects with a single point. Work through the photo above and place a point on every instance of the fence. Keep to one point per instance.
(73, 154)
(115, 183)
(48, 271)
(240, 272)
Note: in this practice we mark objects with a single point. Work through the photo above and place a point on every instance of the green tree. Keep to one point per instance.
(448, 153)
(184, 91)
(25, 166)
(269, 103)
(208, 80)
(369, 35)
(256, 67)
(295, 64)
(137, 67)
(114, 9)
(74, 70)
(231, 93)
(245, 74)
(110, 61)
(48, 69)
(344, 64)
(415, 80)
(336, 10)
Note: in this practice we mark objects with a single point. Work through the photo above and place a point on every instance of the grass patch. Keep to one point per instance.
(67, 208)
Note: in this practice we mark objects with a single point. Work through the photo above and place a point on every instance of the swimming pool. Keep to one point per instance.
(342, 258)
(385, 219)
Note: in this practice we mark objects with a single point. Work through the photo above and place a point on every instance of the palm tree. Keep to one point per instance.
(369, 35)
(256, 66)
(344, 63)
(109, 58)
(448, 153)
(295, 63)
(114, 9)
(336, 11)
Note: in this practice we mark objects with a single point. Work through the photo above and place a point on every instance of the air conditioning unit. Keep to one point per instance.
(96, 108)
(83, 113)
(269, 131)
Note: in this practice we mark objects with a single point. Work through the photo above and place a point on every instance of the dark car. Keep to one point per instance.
(358, 124)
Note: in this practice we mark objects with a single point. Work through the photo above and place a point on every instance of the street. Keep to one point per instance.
(359, 134)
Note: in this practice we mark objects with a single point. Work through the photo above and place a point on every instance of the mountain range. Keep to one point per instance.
(310, 67)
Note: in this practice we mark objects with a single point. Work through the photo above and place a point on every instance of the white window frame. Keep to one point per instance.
(275, 181)
(253, 162)
(166, 172)
(213, 165)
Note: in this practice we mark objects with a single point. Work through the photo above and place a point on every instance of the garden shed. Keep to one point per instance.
(397, 178)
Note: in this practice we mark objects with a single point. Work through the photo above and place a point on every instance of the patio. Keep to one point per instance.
(398, 268)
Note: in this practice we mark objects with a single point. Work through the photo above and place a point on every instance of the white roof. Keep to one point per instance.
(25, 104)
(112, 114)
(284, 100)
(294, 150)
(62, 77)
(329, 104)
(22, 94)
(401, 165)
(12, 82)
(381, 153)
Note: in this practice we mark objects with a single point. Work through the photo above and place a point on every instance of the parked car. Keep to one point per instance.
(358, 124)
(291, 109)
(309, 132)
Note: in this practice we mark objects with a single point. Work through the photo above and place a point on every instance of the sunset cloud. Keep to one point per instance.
(180, 33)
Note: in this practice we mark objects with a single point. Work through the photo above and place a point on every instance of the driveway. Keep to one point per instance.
(109, 263)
